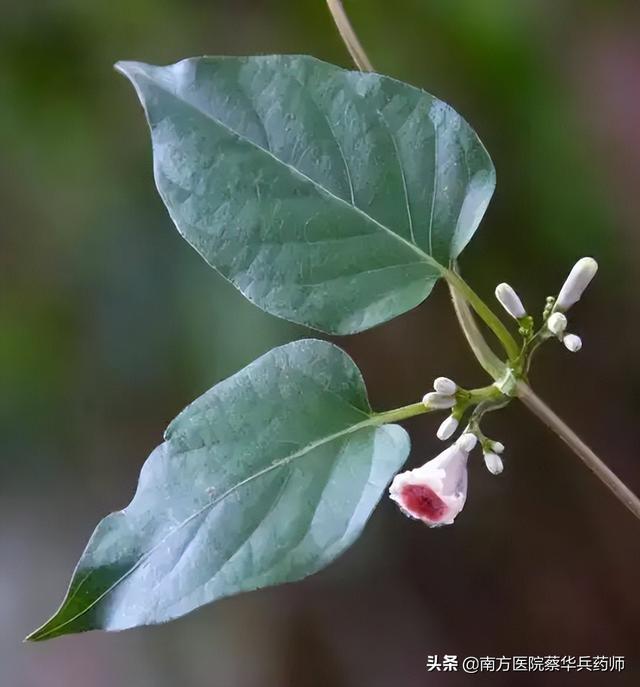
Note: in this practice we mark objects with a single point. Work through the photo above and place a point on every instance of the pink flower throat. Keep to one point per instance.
(422, 502)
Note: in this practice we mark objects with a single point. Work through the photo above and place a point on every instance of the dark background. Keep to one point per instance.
(110, 324)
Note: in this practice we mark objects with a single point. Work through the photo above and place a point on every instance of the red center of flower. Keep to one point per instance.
(423, 502)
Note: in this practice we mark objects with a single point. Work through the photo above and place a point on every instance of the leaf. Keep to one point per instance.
(328, 197)
(264, 479)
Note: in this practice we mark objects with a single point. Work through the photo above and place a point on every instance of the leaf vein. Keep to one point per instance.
(383, 119)
(370, 421)
(296, 172)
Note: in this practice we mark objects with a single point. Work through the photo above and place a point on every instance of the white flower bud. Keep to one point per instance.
(557, 323)
(435, 492)
(493, 463)
(572, 342)
(497, 447)
(510, 301)
(467, 442)
(582, 273)
(438, 401)
(447, 428)
(444, 385)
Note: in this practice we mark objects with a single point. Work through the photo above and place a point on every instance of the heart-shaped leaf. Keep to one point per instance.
(264, 479)
(328, 197)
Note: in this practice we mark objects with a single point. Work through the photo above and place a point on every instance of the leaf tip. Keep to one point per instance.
(37, 635)
(48, 630)
(128, 68)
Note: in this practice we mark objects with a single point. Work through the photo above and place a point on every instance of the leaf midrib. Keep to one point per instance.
(135, 69)
(372, 420)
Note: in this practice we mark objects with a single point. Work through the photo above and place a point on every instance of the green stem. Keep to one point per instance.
(488, 360)
(485, 394)
(484, 312)
(403, 413)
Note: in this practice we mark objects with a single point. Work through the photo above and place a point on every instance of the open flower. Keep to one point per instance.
(435, 492)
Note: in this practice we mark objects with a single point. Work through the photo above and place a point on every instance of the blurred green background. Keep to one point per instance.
(110, 324)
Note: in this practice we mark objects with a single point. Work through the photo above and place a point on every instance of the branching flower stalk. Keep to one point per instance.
(435, 493)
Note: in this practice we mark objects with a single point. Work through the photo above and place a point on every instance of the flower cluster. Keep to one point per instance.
(443, 397)
(436, 492)
(554, 314)
(570, 293)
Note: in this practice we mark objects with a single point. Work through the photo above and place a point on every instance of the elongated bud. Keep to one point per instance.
(497, 446)
(510, 301)
(447, 428)
(572, 342)
(467, 442)
(444, 385)
(557, 323)
(582, 273)
(494, 463)
(436, 400)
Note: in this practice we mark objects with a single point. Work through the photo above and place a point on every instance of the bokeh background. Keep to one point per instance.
(110, 324)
